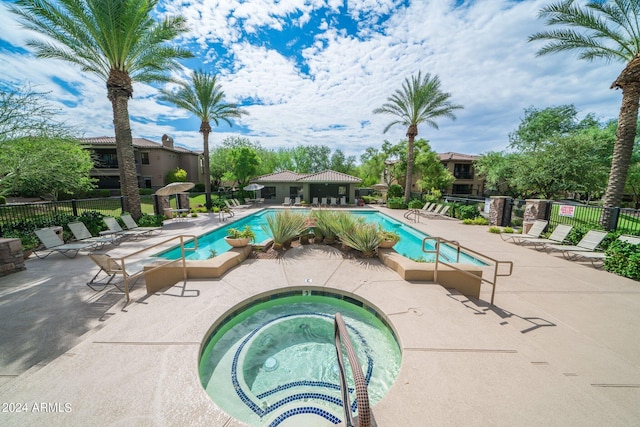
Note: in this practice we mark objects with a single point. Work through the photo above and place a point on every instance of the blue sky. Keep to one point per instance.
(312, 71)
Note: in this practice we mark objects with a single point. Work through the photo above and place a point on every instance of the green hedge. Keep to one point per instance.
(623, 259)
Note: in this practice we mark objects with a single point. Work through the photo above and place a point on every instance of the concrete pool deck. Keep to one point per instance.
(559, 347)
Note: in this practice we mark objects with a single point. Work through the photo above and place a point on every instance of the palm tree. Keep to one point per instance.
(419, 101)
(203, 97)
(116, 40)
(611, 31)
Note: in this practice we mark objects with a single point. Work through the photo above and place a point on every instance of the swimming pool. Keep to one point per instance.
(273, 361)
(410, 244)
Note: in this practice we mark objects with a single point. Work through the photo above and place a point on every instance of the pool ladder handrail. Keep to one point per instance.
(365, 416)
(459, 249)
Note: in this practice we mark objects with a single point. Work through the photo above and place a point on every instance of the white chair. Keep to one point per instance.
(323, 201)
(287, 201)
(53, 243)
(343, 201)
(314, 202)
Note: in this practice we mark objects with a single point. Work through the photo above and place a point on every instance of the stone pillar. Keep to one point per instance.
(164, 206)
(11, 256)
(533, 210)
(496, 210)
(184, 200)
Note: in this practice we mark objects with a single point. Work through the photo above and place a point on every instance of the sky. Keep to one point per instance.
(311, 72)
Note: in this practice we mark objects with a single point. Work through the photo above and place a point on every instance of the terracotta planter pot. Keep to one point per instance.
(237, 243)
(386, 244)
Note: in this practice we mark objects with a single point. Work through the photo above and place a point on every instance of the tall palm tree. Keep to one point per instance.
(116, 40)
(203, 97)
(607, 30)
(419, 101)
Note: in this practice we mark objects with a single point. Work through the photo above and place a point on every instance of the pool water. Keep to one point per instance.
(274, 363)
(410, 244)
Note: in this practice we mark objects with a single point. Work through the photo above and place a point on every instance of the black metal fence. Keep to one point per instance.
(586, 216)
(48, 212)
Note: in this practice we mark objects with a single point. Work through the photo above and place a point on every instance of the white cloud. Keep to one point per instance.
(479, 50)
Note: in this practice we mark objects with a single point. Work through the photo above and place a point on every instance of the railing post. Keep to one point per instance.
(122, 204)
(74, 207)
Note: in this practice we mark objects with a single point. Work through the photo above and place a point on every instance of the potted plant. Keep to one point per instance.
(389, 238)
(239, 238)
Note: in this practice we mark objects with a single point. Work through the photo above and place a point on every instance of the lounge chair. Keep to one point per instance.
(131, 224)
(442, 213)
(83, 235)
(558, 236)
(343, 201)
(412, 214)
(600, 256)
(111, 267)
(314, 202)
(537, 228)
(52, 243)
(323, 201)
(287, 201)
(115, 228)
(296, 202)
(334, 201)
(588, 243)
(237, 204)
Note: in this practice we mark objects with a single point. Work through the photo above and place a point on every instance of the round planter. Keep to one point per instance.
(386, 244)
(237, 243)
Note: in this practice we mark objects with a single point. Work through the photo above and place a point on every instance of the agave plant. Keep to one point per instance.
(362, 237)
(325, 224)
(284, 226)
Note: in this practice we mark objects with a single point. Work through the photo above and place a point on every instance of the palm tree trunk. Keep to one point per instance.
(205, 128)
(629, 82)
(412, 132)
(126, 157)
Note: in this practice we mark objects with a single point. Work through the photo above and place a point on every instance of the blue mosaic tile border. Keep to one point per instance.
(261, 412)
(305, 410)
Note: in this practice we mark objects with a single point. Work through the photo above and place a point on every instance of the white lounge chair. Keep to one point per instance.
(83, 235)
(131, 224)
(600, 256)
(52, 243)
(287, 201)
(588, 243)
(323, 201)
(558, 236)
(343, 201)
(334, 201)
(314, 202)
(115, 228)
(537, 228)
(296, 202)
(239, 205)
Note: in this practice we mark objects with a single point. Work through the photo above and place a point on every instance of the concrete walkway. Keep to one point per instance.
(559, 347)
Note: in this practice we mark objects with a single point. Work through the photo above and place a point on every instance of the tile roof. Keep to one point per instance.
(324, 176)
(457, 156)
(137, 142)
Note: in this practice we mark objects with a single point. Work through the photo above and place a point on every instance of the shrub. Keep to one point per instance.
(395, 190)
(28, 239)
(93, 221)
(325, 224)
(147, 220)
(416, 204)
(198, 188)
(176, 175)
(145, 191)
(495, 230)
(477, 221)
(362, 237)
(245, 233)
(623, 258)
(284, 226)
(388, 235)
(396, 203)
(3, 200)
(465, 211)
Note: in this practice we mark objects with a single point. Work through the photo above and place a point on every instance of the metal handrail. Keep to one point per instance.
(459, 249)
(365, 416)
(122, 260)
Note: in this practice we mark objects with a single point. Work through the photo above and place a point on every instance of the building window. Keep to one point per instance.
(462, 189)
(146, 182)
(462, 171)
(144, 158)
(268, 192)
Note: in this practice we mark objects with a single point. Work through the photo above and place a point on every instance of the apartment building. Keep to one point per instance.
(153, 161)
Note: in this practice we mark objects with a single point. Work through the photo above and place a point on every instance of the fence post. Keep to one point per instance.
(122, 204)
(74, 207)
(613, 219)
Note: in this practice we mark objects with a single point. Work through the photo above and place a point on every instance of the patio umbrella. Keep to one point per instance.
(253, 187)
(174, 188)
(380, 187)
